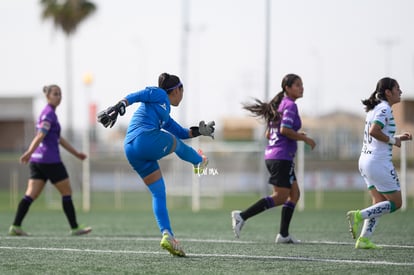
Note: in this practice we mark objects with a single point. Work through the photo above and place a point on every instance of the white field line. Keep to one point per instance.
(240, 256)
(311, 259)
(235, 241)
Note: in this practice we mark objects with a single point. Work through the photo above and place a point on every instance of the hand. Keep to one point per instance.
(405, 136)
(309, 141)
(106, 119)
(203, 129)
(109, 116)
(81, 156)
(206, 129)
(25, 157)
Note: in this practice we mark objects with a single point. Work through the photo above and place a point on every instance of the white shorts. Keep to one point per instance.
(380, 174)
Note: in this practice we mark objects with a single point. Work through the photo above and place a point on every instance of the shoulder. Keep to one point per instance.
(288, 105)
(383, 108)
(48, 113)
(157, 93)
(155, 90)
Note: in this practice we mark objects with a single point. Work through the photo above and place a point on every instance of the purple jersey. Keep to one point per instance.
(281, 147)
(48, 149)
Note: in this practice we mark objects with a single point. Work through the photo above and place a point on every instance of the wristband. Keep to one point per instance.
(391, 140)
(195, 131)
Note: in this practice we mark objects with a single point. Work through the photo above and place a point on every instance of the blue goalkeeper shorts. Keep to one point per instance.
(145, 150)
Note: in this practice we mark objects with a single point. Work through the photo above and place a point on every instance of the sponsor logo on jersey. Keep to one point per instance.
(164, 106)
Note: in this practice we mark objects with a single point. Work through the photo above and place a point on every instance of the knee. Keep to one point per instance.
(294, 196)
(157, 188)
(395, 205)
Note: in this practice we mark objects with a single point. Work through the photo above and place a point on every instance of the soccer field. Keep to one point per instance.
(127, 242)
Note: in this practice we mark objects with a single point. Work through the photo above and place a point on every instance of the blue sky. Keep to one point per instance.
(336, 46)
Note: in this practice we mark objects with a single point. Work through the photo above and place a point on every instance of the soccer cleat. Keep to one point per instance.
(354, 220)
(237, 222)
(199, 168)
(81, 230)
(365, 243)
(288, 239)
(15, 230)
(170, 244)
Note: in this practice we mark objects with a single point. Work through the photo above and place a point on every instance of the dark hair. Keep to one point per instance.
(383, 84)
(169, 82)
(268, 111)
(47, 89)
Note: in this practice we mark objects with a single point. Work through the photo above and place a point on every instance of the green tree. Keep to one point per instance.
(67, 16)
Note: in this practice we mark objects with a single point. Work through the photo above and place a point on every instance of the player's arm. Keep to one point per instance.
(176, 129)
(149, 95)
(292, 134)
(202, 129)
(68, 147)
(33, 145)
(376, 132)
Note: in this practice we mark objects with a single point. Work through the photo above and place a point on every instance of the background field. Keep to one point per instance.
(127, 241)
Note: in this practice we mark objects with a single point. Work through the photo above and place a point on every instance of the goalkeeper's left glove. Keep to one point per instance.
(203, 129)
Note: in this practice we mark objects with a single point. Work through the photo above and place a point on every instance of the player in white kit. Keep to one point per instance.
(375, 162)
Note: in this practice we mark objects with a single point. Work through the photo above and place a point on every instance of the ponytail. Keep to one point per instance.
(371, 102)
(48, 88)
(267, 111)
(383, 84)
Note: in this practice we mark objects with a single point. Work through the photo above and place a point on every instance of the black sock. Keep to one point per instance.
(287, 213)
(22, 210)
(69, 210)
(260, 206)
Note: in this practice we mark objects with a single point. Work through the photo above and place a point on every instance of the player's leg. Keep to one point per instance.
(288, 209)
(240, 217)
(60, 179)
(187, 153)
(64, 188)
(155, 184)
(33, 190)
(369, 224)
(143, 153)
(382, 204)
(278, 197)
(382, 182)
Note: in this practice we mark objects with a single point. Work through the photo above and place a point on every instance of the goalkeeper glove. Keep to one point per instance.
(108, 117)
(203, 129)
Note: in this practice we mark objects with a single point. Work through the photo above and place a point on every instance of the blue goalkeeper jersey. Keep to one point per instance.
(153, 114)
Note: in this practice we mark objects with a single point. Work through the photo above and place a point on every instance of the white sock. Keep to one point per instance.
(369, 227)
(376, 210)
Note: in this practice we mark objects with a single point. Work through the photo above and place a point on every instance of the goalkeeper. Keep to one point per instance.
(153, 134)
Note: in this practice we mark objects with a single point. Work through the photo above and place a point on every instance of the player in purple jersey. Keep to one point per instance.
(283, 124)
(45, 164)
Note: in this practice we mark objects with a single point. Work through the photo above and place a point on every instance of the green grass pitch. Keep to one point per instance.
(126, 241)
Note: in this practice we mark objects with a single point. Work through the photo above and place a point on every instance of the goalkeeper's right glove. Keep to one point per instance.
(108, 117)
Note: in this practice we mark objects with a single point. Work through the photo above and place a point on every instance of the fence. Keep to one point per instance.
(234, 168)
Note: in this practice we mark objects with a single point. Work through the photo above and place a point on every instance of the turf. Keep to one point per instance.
(127, 242)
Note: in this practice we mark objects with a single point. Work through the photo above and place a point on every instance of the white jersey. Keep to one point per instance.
(381, 115)
(375, 162)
